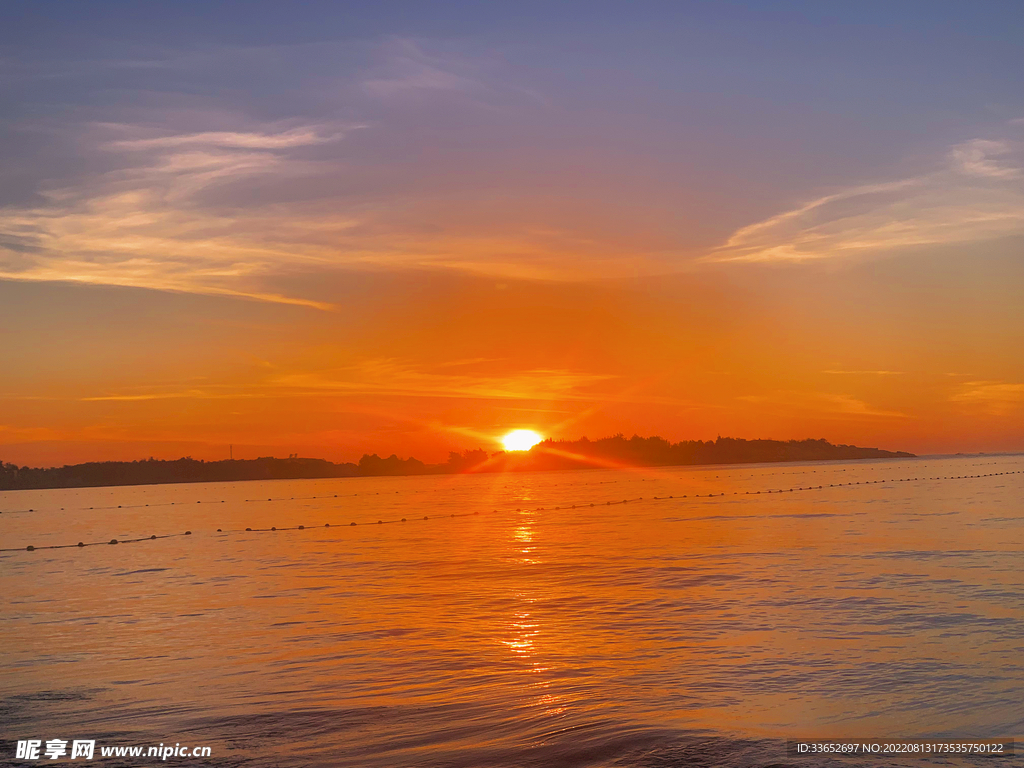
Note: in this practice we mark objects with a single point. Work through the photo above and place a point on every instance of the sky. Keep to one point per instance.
(334, 228)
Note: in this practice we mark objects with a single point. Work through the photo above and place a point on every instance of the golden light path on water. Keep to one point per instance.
(693, 631)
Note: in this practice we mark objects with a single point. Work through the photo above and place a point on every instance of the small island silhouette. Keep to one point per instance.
(609, 452)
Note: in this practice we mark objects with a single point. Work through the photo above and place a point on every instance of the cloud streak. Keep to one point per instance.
(393, 378)
(296, 137)
(996, 398)
(828, 404)
(145, 223)
(977, 196)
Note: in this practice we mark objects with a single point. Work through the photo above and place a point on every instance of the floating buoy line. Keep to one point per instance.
(272, 529)
(183, 503)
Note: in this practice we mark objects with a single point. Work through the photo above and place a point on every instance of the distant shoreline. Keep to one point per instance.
(550, 455)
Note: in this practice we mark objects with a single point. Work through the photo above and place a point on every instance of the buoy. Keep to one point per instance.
(81, 543)
(30, 548)
(218, 530)
(403, 519)
(273, 528)
(351, 523)
(113, 541)
(379, 522)
(248, 529)
(188, 533)
(425, 517)
(302, 527)
(153, 536)
(327, 525)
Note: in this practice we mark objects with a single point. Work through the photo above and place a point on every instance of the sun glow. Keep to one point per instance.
(520, 440)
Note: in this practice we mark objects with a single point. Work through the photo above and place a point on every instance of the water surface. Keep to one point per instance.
(518, 625)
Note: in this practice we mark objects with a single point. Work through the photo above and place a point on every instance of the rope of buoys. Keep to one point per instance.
(336, 496)
(33, 548)
(777, 490)
(172, 503)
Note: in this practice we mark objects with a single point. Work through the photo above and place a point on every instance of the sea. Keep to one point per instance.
(655, 617)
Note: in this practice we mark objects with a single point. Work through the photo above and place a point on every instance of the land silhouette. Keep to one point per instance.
(609, 452)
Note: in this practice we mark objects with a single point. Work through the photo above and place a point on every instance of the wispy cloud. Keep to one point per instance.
(15, 434)
(147, 222)
(389, 377)
(404, 66)
(991, 159)
(401, 378)
(865, 373)
(186, 394)
(296, 137)
(977, 195)
(822, 404)
(394, 377)
(994, 397)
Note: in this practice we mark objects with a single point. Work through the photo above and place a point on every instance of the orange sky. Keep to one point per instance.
(383, 235)
(422, 363)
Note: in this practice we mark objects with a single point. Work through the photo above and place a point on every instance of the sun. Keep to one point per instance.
(520, 440)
